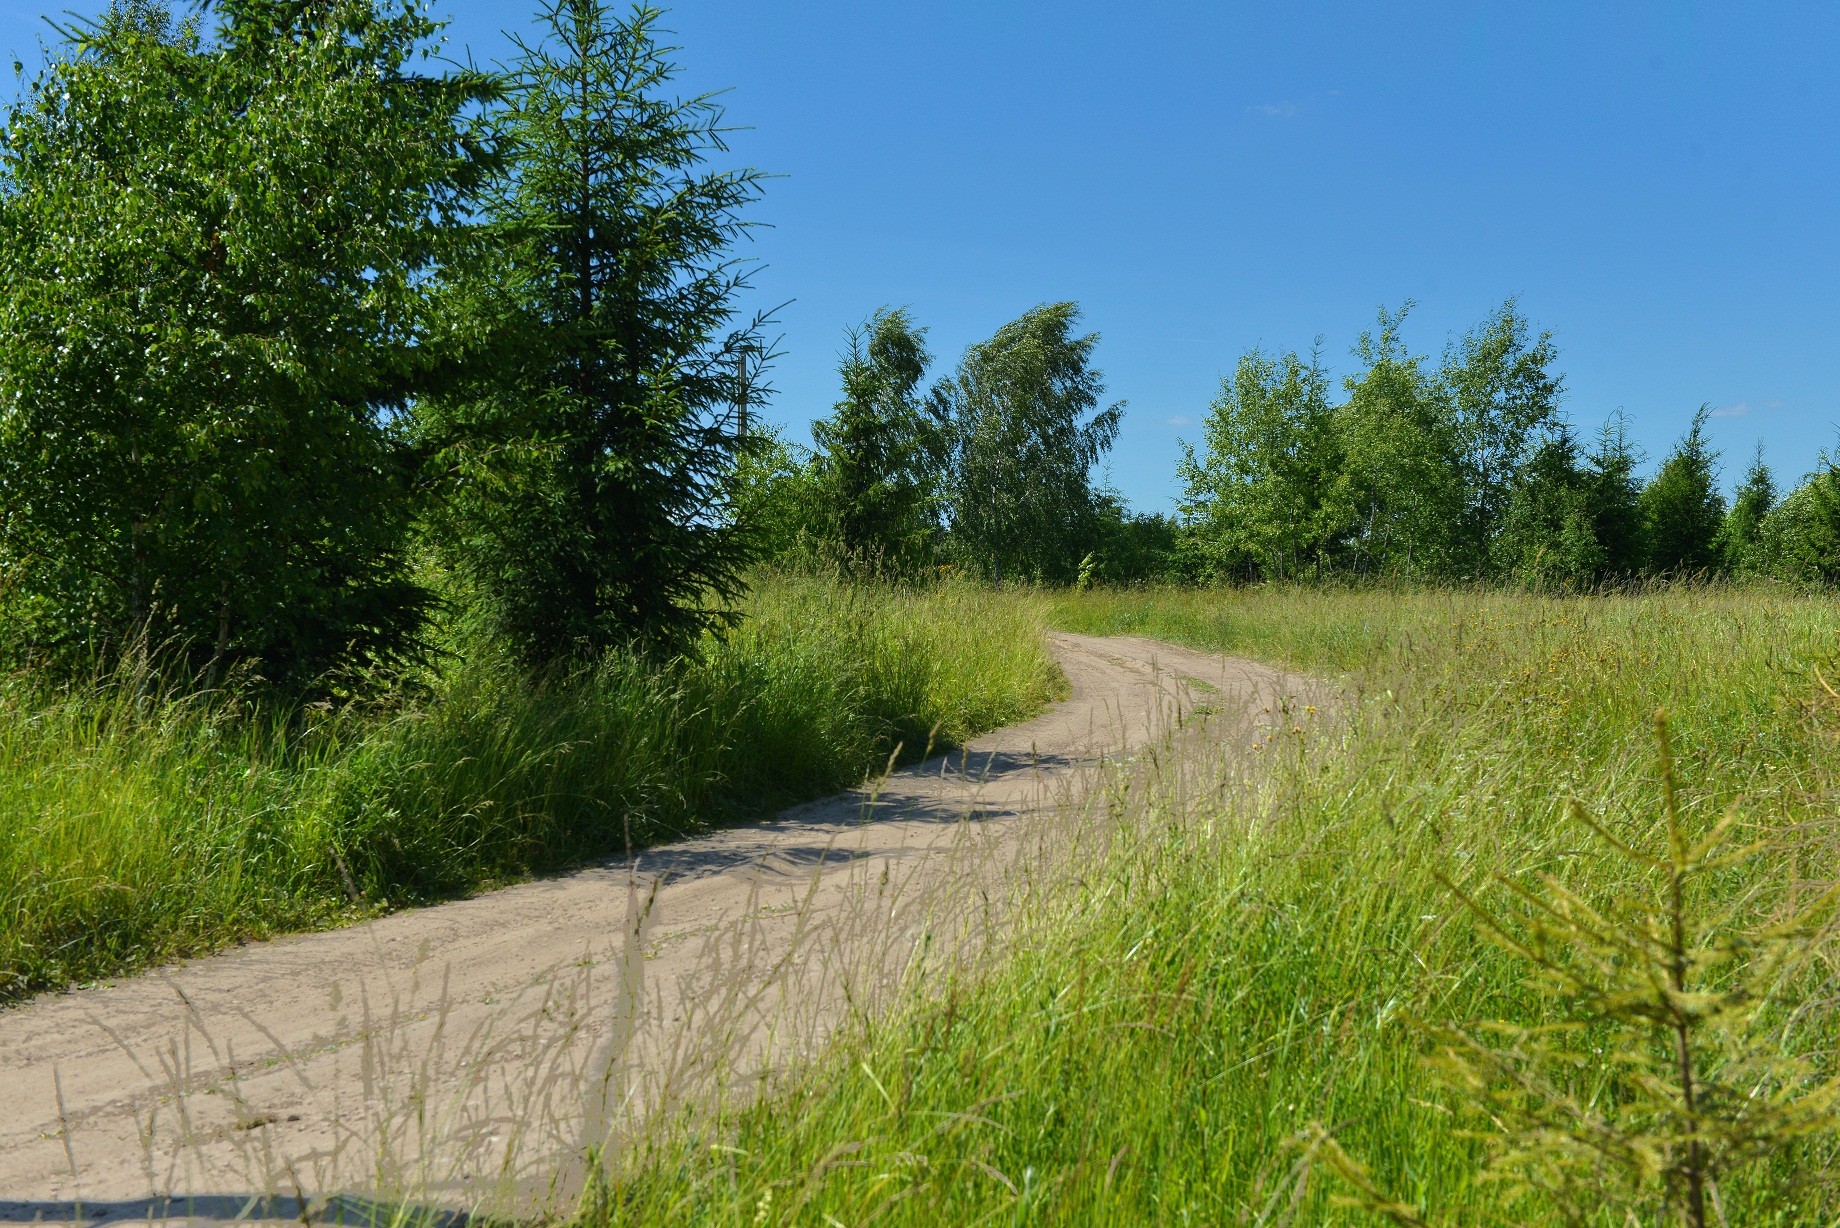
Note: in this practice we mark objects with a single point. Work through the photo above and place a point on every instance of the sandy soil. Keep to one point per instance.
(460, 1055)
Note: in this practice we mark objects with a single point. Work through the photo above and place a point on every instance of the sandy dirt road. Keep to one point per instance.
(459, 1055)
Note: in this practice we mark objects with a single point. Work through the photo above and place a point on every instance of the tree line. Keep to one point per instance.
(1466, 469)
(305, 331)
(1463, 469)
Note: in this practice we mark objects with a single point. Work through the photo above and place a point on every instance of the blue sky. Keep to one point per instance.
(1656, 182)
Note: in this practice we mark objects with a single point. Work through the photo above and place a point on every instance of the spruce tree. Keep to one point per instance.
(1682, 508)
(1740, 535)
(1613, 496)
(585, 471)
(877, 451)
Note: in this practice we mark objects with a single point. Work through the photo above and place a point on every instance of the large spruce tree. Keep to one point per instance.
(878, 451)
(1682, 509)
(214, 246)
(584, 468)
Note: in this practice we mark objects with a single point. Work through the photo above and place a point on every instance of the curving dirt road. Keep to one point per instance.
(459, 1055)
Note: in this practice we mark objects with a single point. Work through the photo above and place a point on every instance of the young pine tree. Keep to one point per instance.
(585, 467)
(1613, 495)
(1740, 537)
(214, 260)
(1024, 431)
(1546, 536)
(877, 452)
(1682, 509)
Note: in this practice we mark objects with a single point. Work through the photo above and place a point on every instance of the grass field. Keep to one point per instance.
(137, 829)
(1273, 947)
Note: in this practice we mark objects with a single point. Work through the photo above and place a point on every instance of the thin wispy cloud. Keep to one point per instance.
(1178, 420)
(1274, 110)
(1744, 409)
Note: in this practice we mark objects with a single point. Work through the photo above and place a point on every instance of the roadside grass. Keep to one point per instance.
(137, 828)
(1267, 944)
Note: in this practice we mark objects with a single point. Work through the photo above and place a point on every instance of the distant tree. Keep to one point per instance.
(215, 260)
(778, 502)
(1503, 396)
(1256, 498)
(1799, 539)
(1682, 509)
(1024, 429)
(1400, 488)
(1741, 533)
(1132, 547)
(878, 450)
(1613, 499)
(584, 473)
(1547, 537)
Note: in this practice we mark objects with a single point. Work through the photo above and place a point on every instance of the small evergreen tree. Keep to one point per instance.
(1740, 535)
(1547, 537)
(878, 450)
(215, 249)
(585, 469)
(1024, 429)
(1613, 496)
(1682, 508)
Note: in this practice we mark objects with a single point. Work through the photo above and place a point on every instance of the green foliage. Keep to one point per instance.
(1682, 509)
(1399, 492)
(778, 501)
(137, 826)
(1741, 535)
(1415, 473)
(214, 263)
(1615, 494)
(1503, 397)
(1800, 538)
(1256, 497)
(1547, 537)
(583, 468)
(1023, 432)
(879, 451)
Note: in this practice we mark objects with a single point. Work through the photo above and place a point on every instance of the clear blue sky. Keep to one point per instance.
(1657, 182)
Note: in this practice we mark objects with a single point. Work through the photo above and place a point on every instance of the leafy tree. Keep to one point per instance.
(1800, 537)
(1503, 395)
(1682, 509)
(877, 451)
(1256, 498)
(1547, 536)
(585, 470)
(1613, 499)
(214, 265)
(1400, 489)
(1023, 433)
(1740, 535)
(778, 501)
(1132, 547)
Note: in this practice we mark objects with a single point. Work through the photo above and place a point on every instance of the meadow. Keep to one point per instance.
(1234, 1016)
(139, 824)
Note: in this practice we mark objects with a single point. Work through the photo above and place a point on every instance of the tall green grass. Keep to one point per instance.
(1269, 941)
(135, 829)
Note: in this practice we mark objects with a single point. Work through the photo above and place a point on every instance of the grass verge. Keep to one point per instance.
(137, 829)
(1272, 947)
